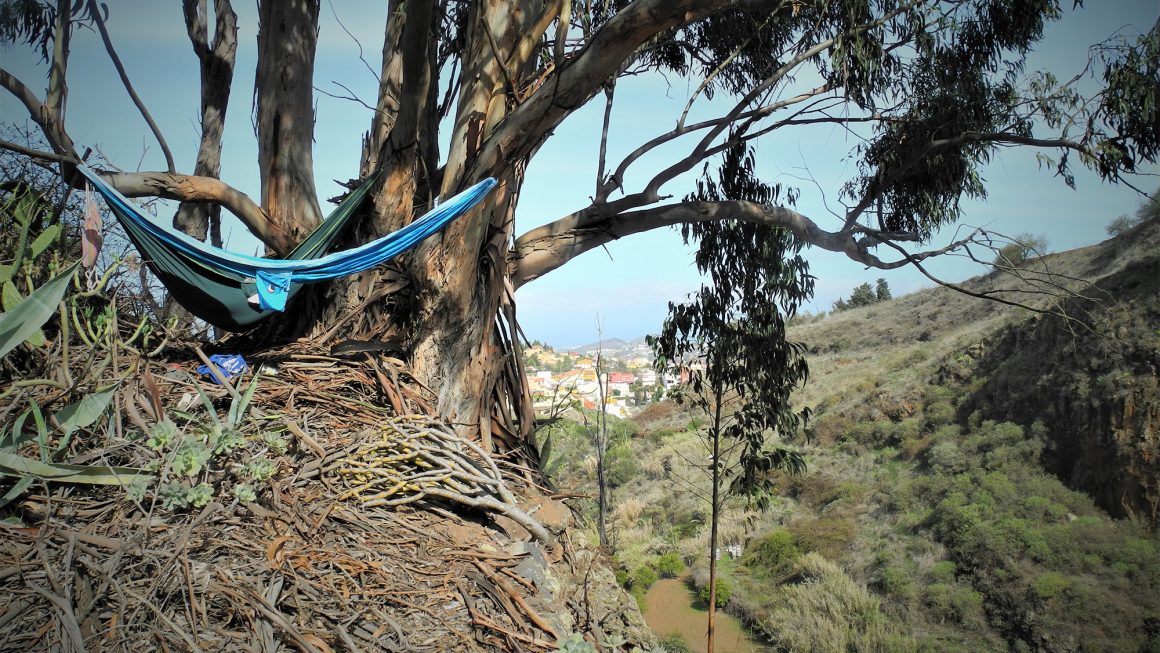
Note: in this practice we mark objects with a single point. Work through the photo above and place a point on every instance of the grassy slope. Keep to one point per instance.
(915, 527)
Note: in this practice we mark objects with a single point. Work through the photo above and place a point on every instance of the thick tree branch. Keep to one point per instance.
(190, 188)
(217, 71)
(42, 114)
(576, 82)
(546, 248)
(918, 155)
(57, 78)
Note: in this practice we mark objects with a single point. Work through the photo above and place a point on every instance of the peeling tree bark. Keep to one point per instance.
(284, 112)
(217, 73)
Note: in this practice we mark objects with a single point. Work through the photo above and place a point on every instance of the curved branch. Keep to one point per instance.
(186, 188)
(190, 188)
(41, 113)
(96, 12)
(546, 248)
(1001, 138)
(575, 83)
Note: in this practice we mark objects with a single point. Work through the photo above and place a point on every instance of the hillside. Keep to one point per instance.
(981, 476)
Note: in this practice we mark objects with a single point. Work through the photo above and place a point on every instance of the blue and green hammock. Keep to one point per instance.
(235, 291)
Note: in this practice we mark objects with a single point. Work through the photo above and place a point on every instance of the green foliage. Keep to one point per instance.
(771, 556)
(939, 413)
(189, 458)
(826, 611)
(622, 465)
(260, 469)
(864, 295)
(670, 565)
(757, 278)
(639, 593)
(942, 571)
(574, 643)
(23, 320)
(898, 582)
(954, 603)
(644, 576)
(675, 643)
(724, 593)
(1022, 249)
(827, 536)
(1051, 585)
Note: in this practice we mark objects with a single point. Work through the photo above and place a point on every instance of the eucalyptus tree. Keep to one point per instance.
(735, 326)
(933, 88)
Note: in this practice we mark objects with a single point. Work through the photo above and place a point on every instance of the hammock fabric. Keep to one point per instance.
(220, 286)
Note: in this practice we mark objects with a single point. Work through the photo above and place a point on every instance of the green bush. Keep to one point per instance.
(954, 603)
(622, 465)
(828, 536)
(644, 576)
(1050, 585)
(675, 643)
(947, 458)
(942, 571)
(670, 565)
(827, 612)
(640, 594)
(939, 414)
(898, 582)
(724, 592)
(912, 448)
(771, 555)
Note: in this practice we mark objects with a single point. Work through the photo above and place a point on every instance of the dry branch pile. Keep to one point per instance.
(313, 511)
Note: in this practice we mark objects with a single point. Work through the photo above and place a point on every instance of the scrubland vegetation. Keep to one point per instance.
(922, 523)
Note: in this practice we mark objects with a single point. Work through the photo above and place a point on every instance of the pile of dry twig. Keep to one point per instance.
(306, 505)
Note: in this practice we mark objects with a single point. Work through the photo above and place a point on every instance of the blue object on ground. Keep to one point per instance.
(230, 365)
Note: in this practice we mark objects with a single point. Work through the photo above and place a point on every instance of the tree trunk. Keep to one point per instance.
(287, 39)
(601, 455)
(465, 342)
(202, 219)
(714, 518)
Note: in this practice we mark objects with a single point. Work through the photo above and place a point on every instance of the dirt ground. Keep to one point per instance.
(670, 610)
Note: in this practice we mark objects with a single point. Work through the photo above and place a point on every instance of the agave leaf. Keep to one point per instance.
(545, 452)
(5, 273)
(86, 411)
(41, 429)
(16, 491)
(238, 406)
(16, 437)
(205, 400)
(33, 311)
(14, 465)
(44, 240)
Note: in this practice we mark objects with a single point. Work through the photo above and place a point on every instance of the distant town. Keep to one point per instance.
(563, 378)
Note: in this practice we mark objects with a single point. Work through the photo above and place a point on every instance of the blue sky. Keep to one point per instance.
(629, 283)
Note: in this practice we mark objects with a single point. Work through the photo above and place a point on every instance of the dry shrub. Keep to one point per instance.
(827, 612)
(828, 536)
(628, 511)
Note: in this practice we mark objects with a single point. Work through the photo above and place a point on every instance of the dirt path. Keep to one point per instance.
(670, 611)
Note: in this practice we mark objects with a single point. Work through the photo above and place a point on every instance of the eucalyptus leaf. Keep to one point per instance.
(86, 411)
(16, 491)
(14, 465)
(26, 318)
(17, 437)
